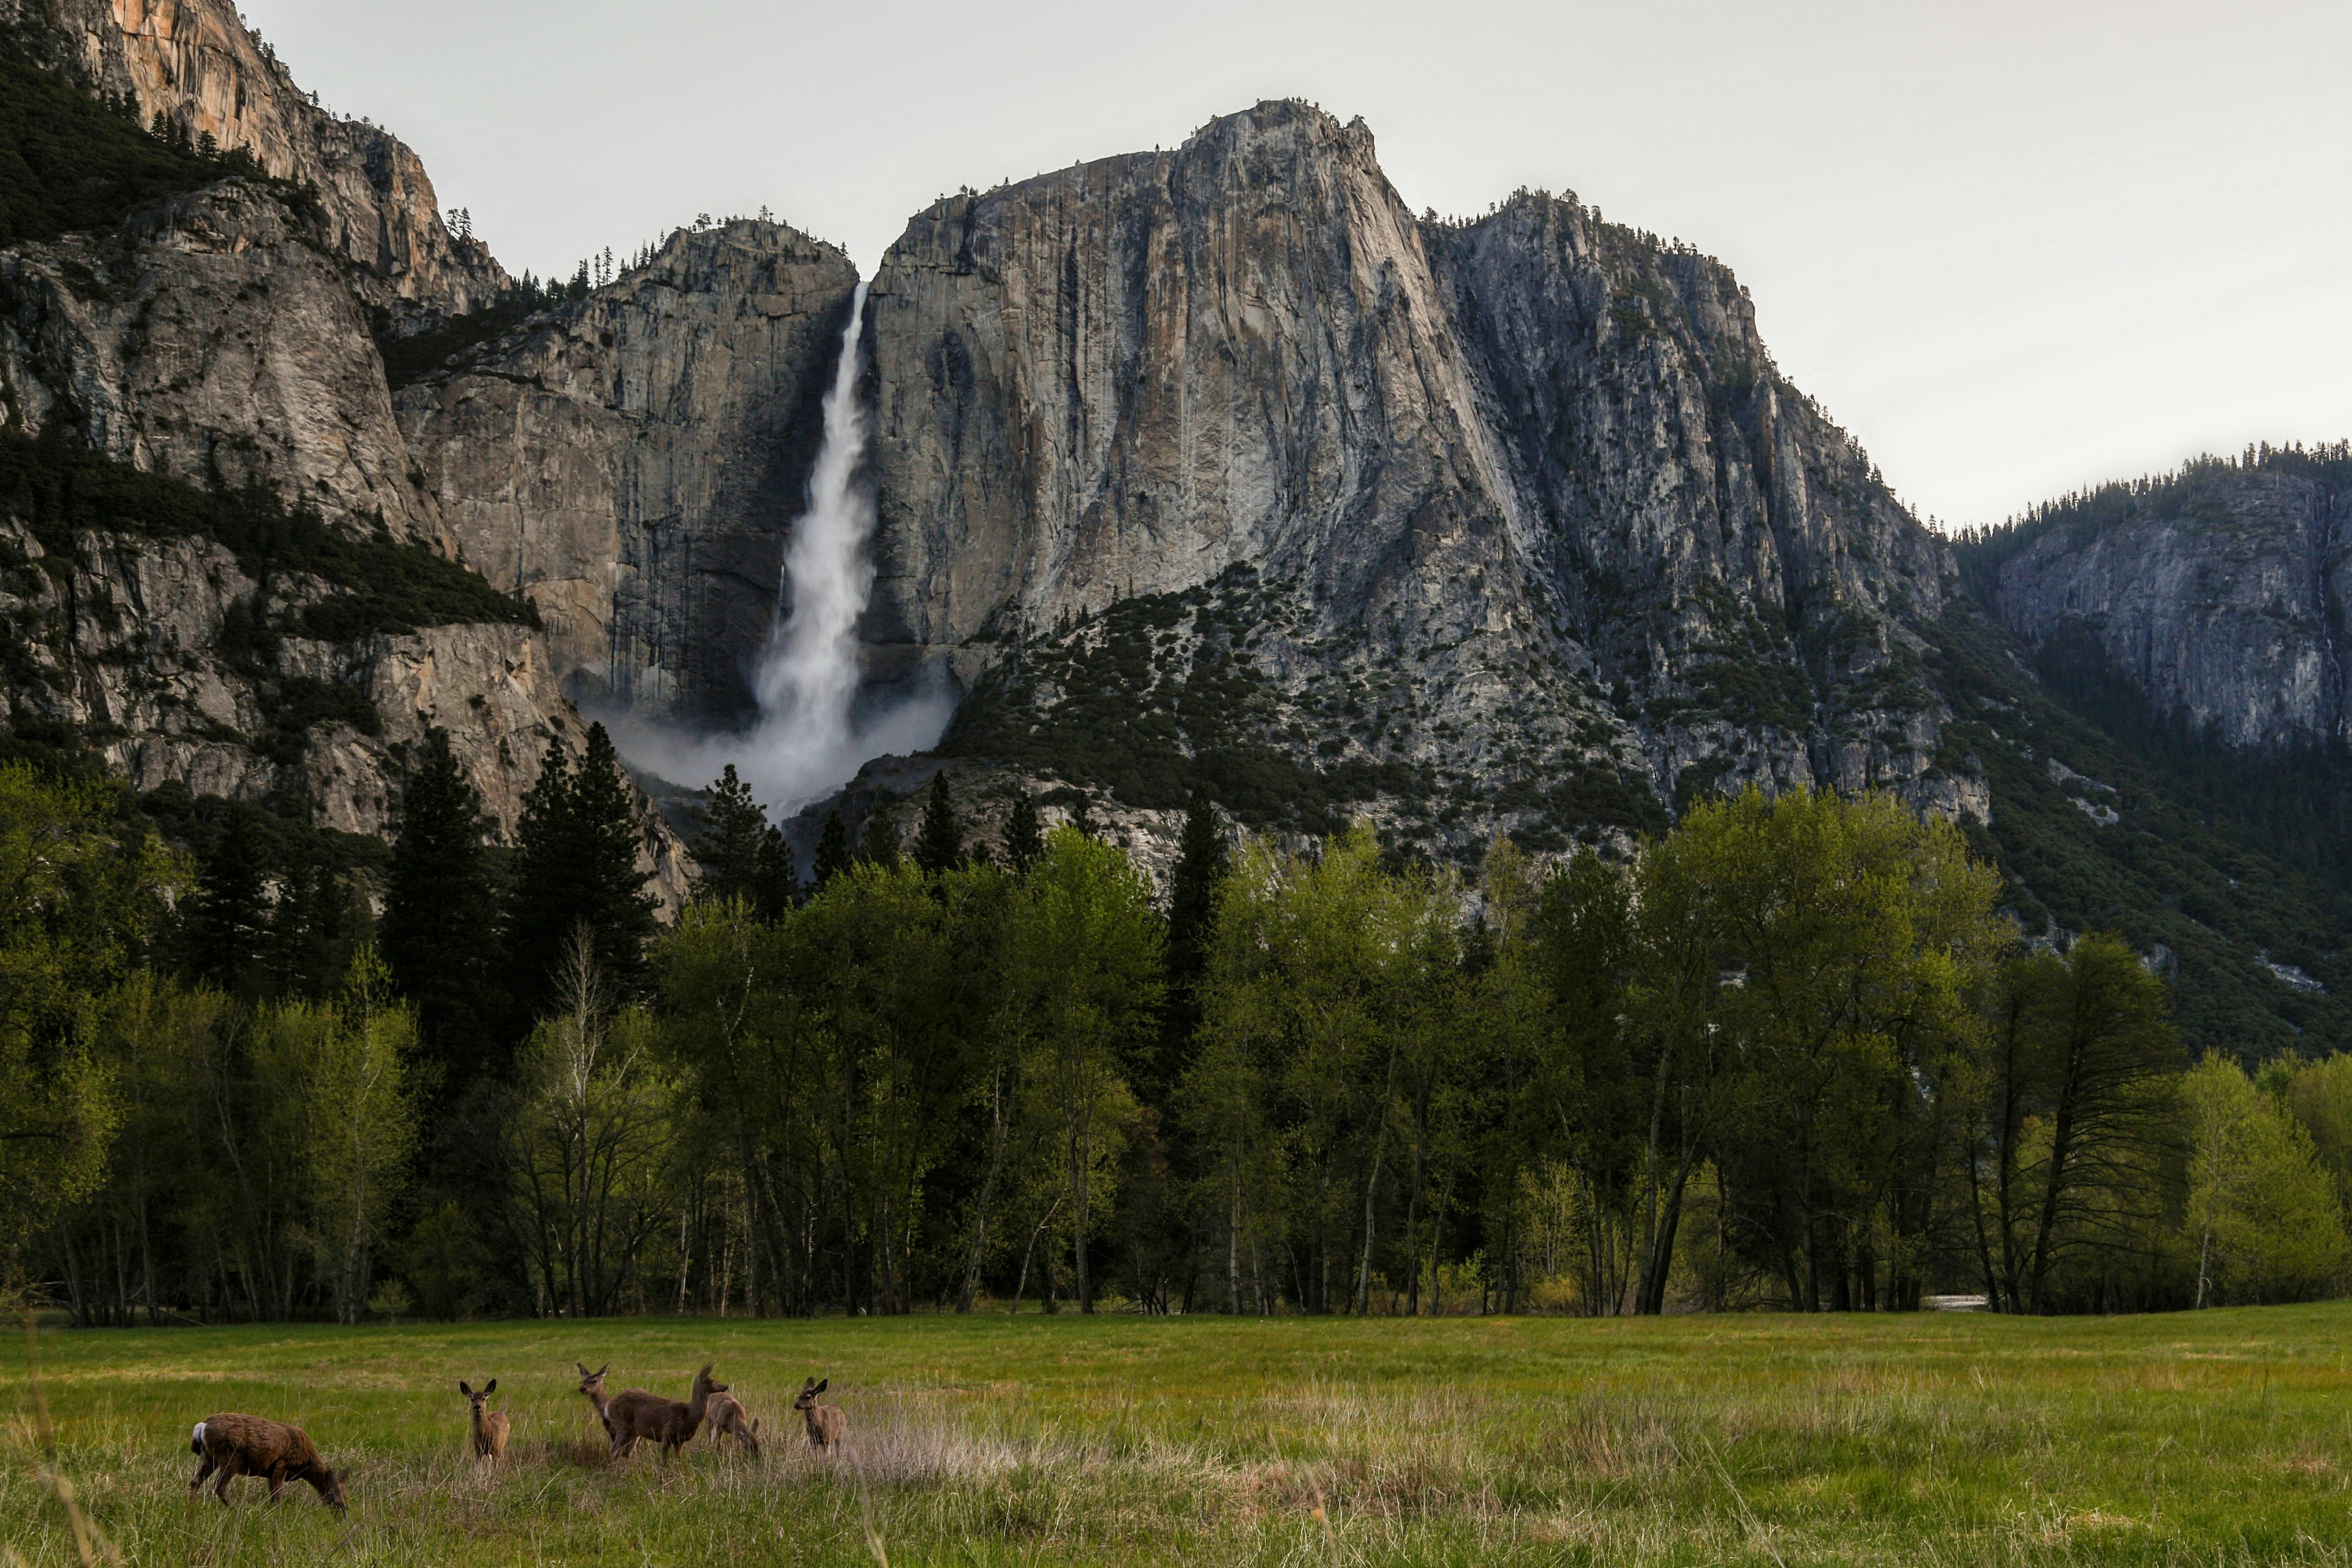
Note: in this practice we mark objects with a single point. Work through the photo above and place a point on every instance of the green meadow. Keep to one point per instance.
(2216, 1437)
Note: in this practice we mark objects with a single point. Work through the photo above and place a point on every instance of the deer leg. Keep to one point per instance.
(203, 1471)
(276, 1476)
(229, 1474)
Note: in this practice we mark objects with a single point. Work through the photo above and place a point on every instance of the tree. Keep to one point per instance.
(775, 882)
(727, 852)
(2263, 1211)
(939, 841)
(228, 920)
(1087, 965)
(1025, 838)
(81, 900)
(576, 864)
(2079, 1067)
(832, 849)
(592, 1143)
(440, 928)
(1202, 861)
(878, 845)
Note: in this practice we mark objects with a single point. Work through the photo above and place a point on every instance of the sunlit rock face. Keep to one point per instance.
(1529, 489)
(194, 62)
(2221, 600)
(635, 461)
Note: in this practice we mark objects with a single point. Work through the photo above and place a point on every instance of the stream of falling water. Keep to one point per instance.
(811, 736)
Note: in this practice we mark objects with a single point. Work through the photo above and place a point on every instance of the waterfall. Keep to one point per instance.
(812, 733)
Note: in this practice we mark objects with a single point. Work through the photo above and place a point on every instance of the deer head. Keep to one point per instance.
(479, 1400)
(809, 1391)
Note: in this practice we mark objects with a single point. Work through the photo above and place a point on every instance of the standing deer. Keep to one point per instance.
(728, 1419)
(634, 1414)
(490, 1426)
(248, 1445)
(827, 1423)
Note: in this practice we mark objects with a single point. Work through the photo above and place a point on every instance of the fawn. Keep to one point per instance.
(633, 1414)
(248, 1445)
(490, 1426)
(827, 1423)
(728, 1419)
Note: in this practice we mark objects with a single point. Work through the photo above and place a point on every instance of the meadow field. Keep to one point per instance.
(2215, 1437)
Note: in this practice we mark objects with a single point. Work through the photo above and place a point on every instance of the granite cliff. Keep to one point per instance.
(196, 64)
(634, 462)
(1520, 503)
(2219, 593)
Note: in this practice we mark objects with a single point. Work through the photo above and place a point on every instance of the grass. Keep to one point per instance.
(2219, 1437)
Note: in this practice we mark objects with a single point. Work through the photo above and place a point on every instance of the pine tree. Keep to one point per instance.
(1202, 859)
(576, 864)
(439, 932)
(228, 924)
(1024, 839)
(727, 850)
(1082, 814)
(938, 842)
(879, 844)
(775, 881)
(832, 849)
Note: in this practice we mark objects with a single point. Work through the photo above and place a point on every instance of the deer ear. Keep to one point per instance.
(602, 1370)
(809, 1387)
(583, 1369)
(491, 1386)
(463, 1389)
(822, 1386)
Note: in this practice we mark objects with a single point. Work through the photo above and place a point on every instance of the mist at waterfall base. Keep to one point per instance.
(815, 727)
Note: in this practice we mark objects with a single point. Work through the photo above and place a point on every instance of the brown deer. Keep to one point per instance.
(490, 1426)
(633, 1414)
(248, 1445)
(728, 1419)
(827, 1423)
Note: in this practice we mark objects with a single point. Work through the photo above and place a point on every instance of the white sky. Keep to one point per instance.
(2014, 248)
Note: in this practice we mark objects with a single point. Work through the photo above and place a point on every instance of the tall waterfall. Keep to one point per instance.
(812, 733)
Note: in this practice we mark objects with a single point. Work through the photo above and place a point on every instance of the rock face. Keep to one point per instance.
(635, 461)
(210, 338)
(194, 62)
(2220, 595)
(1531, 486)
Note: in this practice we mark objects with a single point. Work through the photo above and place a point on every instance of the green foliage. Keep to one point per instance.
(409, 357)
(379, 585)
(1025, 838)
(878, 845)
(71, 159)
(832, 855)
(2267, 1217)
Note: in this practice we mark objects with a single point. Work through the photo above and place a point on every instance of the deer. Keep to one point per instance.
(238, 1445)
(490, 1426)
(827, 1423)
(728, 1419)
(634, 1414)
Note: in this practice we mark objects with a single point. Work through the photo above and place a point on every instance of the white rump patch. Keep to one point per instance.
(196, 1438)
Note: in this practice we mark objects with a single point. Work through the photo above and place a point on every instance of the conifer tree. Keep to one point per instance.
(1202, 861)
(1082, 814)
(832, 849)
(1025, 838)
(775, 881)
(938, 842)
(576, 864)
(439, 932)
(228, 925)
(727, 850)
(879, 844)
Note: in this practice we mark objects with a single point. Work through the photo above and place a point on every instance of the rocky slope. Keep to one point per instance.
(2218, 594)
(1518, 502)
(196, 63)
(634, 462)
(220, 564)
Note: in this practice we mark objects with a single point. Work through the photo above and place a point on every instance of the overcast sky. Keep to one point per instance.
(2014, 248)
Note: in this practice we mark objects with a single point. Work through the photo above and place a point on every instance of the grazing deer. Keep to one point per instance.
(490, 1426)
(728, 1419)
(248, 1445)
(827, 1423)
(634, 1414)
